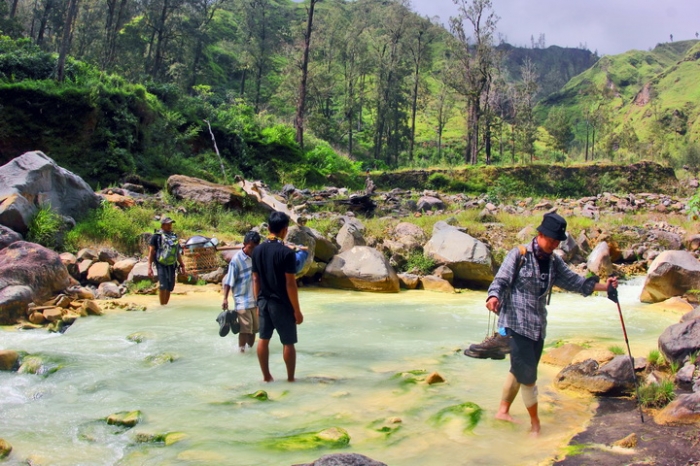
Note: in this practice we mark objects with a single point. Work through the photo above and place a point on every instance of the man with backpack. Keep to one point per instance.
(519, 295)
(164, 250)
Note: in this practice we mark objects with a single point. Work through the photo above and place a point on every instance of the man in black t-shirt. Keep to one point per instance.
(275, 289)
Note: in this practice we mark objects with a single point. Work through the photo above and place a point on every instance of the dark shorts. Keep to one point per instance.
(275, 315)
(166, 277)
(524, 357)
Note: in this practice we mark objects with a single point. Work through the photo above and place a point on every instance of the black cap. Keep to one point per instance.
(554, 226)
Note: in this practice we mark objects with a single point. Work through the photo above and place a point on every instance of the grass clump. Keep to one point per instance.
(655, 359)
(419, 264)
(616, 350)
(45, 228)
(657, 395)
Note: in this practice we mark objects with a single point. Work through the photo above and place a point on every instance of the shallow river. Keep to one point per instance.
(351, 347)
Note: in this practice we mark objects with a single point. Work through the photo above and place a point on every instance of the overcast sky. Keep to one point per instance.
(608, 26)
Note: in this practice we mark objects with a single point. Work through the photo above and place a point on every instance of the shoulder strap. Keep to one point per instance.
(521, 261)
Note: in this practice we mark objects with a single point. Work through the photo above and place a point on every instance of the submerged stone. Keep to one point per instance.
(259, 395)
(470, 412)
(160, 359)
(5, 448)
(334, 437)
(124, 418)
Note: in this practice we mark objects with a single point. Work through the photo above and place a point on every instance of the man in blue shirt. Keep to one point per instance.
(239, 281)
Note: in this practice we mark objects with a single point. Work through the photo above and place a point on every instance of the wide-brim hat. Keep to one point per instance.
(165, 220)
(553, 226)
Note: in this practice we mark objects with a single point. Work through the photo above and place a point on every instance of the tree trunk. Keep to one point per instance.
(301, 104)
(44, 19)
(65, 41)
(586, 159)
(13, 9)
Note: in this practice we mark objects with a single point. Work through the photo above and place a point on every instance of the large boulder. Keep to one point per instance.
(32, 180)
(672, 273)
(467, 257)
(363, 269)
(680, 340)
(8, 236)
(28, 272)
(203, 192)
(683, 410)
(302, 236)
(325, 249)
(349, 236)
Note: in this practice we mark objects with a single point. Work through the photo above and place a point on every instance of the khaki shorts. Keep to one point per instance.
(248, 318)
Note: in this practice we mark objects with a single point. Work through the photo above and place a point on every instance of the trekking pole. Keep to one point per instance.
(612, 296)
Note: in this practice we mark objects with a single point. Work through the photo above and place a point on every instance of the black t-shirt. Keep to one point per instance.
(271, 261)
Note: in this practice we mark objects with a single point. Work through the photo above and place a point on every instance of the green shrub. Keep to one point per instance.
(655, 359)
(438, 181)
(45, 228)
(123, 228)
(657, 395)
(420, 264)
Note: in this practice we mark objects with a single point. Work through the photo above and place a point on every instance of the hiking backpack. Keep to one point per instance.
(168, 249)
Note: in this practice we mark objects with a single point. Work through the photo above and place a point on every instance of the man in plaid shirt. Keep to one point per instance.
(239, 279)
(518, 295)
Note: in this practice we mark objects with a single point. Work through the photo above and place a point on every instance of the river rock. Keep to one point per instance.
(349, 236)
(344, 459)
(445, 273)
(361, 268)
(9, 360)
(429, 203)
(433, 283)
(409, 233)
(469, 258)
(325, 248)
(692, 315)
(140, 273)
(680, 340)
(32, 180)
(124, 418)
(599, 261)
(561, 356)
(28, 273)
(6, 449)
(302, 236)
(194, 189)
(409, 281)
(589, 376)
(99, 272)
(601, 356)
(121, 269)
(8, 236)
(672, 273)
(684, 376)
(109, 290)
(683, 410)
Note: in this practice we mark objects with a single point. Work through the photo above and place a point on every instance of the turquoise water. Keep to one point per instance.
(351, 347)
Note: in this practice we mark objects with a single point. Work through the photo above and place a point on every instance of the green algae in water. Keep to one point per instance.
(386, 426)
(260, 395)
(470, 412)
(334, 437)
(124, 418)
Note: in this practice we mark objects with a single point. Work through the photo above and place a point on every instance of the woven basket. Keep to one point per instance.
(200, 260)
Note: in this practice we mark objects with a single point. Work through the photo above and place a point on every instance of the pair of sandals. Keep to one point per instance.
(228, 321)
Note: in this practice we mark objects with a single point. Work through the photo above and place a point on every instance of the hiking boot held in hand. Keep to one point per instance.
(494, 347)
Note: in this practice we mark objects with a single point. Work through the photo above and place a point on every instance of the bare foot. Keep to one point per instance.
(535, 428)
(268, 379)
(291, 380)
(506, 417)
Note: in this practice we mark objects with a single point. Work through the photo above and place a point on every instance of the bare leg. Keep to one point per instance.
(242, 340)
(534, 420)
(263, 359)
(251, 339)
(510, 390)
(289, 353)
(164, 296)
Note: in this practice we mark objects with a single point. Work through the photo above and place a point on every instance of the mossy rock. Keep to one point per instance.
(162, 358)
(411, 377)
(334, 437)
(386, 426)
(470, 412)
(124, 418)
(167, 438)
(39, 365)
(5, 448)
(260, 395)
(138, 337)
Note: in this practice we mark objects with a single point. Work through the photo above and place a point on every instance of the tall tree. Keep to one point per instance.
(301, 103)
(473, 29)
(560, 128)
(421, 37)
(526, 127)
(66, 40)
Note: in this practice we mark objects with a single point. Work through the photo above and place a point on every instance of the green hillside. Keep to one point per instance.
(637, 102)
